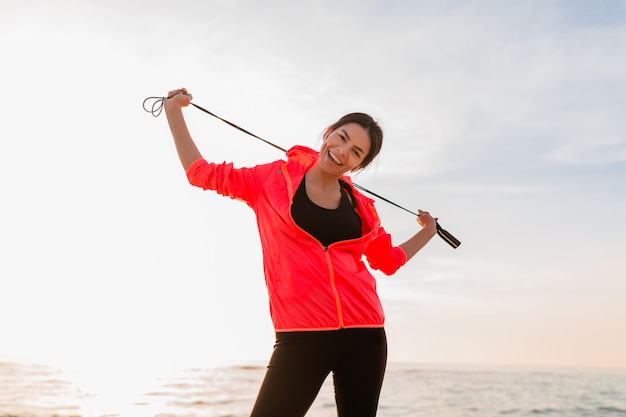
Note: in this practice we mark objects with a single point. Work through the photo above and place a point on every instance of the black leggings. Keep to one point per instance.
(301, 361)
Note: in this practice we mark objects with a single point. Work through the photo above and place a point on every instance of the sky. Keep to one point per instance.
(505, 119)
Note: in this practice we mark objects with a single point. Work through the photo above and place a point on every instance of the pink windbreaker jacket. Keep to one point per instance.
(310, 287)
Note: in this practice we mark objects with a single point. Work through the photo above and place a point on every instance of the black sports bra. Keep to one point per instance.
(326, 225)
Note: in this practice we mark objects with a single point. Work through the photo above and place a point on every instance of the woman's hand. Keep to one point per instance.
(179, 98)
(422, 237)
(427, 222)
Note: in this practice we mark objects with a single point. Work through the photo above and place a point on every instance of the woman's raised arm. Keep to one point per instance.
(187, 150)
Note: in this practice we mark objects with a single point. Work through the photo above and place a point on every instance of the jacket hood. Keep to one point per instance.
(303, 155)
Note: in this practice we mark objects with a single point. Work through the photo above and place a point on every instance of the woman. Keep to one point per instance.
(315, 228)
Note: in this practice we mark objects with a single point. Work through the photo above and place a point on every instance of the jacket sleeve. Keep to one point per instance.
(225, 179)
(383, 256)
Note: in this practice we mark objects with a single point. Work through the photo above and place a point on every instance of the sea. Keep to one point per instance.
(410, 390)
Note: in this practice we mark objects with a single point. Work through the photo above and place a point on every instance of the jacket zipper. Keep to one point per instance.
(331, 275)
(333, 286)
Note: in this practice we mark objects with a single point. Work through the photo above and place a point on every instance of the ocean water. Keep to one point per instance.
(410, 390)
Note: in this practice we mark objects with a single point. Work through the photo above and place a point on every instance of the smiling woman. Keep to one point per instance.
(315, 228)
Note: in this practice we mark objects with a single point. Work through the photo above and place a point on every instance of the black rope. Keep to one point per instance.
(157, 107)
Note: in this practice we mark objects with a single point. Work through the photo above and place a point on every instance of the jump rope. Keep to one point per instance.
(157, 107)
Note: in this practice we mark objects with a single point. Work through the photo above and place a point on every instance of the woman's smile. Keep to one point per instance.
(334, 158)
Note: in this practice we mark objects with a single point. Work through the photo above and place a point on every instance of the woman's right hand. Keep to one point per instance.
(179, 98)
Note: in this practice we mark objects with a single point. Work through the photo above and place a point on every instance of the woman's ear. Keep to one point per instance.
(327, 132)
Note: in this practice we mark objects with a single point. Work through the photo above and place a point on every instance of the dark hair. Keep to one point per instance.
(372, 128)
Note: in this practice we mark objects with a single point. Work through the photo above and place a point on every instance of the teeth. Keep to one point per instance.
(338, 162)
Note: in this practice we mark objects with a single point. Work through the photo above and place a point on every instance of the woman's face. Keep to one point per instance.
(344, 149)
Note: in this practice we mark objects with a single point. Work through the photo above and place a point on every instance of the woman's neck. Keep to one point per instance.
(321, 180)
(324, 190)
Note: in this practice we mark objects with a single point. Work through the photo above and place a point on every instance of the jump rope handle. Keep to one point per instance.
(445, 235)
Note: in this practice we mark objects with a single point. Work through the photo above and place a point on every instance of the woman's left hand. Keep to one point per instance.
(422, 237)
(427, 221)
